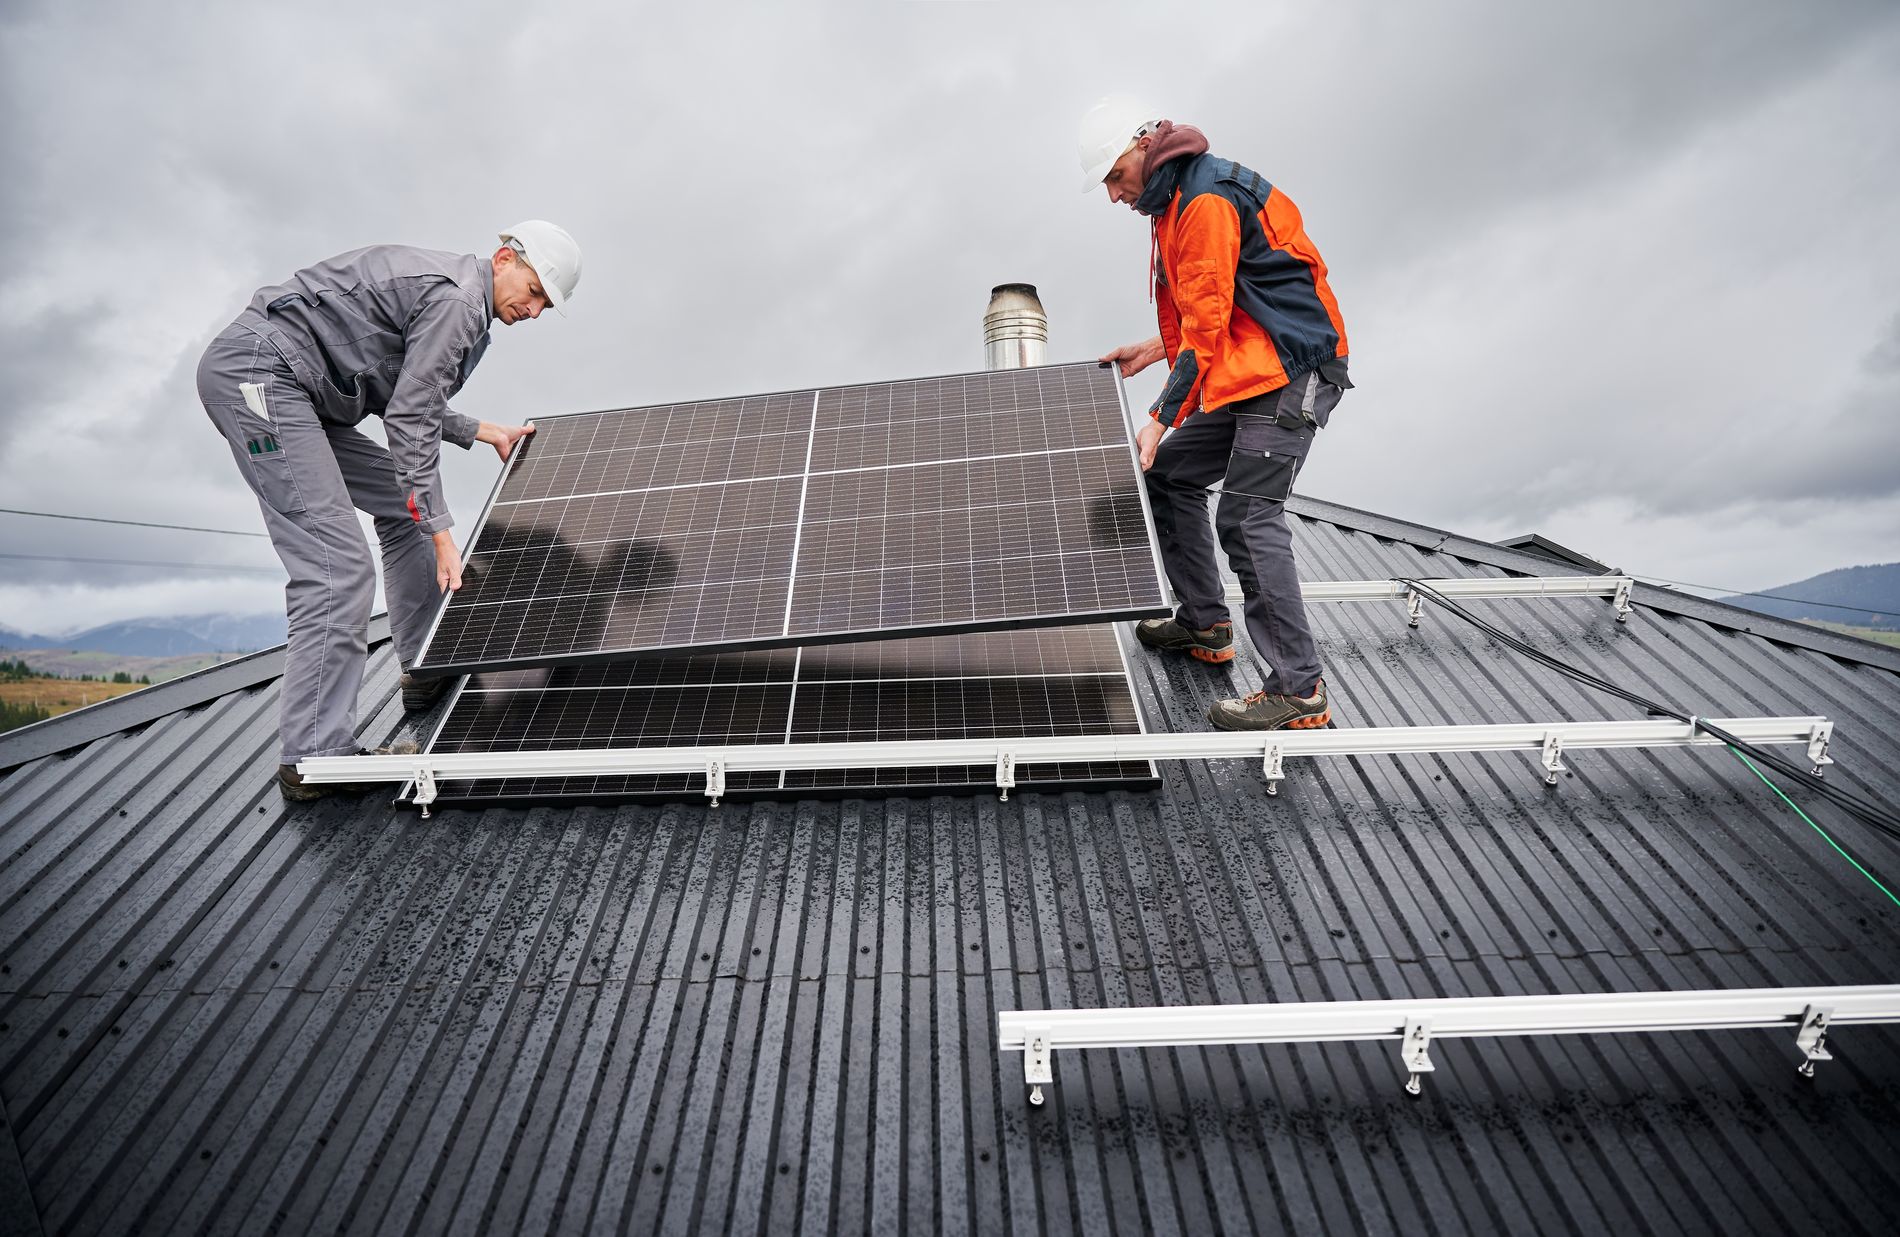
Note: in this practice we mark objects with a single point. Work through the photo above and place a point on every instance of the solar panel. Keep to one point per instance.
(1007, 684)
(961, 503)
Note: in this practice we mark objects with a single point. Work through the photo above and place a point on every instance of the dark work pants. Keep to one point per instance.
(1255, 449)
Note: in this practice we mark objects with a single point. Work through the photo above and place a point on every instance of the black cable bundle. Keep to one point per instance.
(1877, 815)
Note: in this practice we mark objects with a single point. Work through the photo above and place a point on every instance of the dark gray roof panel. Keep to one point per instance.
(222, 1015)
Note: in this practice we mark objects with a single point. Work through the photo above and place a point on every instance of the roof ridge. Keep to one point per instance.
(1721, 614)
(82, 726)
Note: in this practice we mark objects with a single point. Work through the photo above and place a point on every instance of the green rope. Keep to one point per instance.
(1824, 834)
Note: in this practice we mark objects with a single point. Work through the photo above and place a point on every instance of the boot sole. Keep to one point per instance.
(1318, 721)
(326, 790)
(1212, 657)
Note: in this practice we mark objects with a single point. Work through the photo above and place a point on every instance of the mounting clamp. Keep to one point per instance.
(1005, 772)
(1553, 758)
(1274, 767)
(1415, 1052)
(425, 790)
(1817, 747)
(1037, 1068)
(715, 780)
(1414, 607)
(1811, 1039)
(1622, 599)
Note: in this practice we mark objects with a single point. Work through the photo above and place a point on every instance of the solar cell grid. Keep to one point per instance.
(847, 513)
(984, 685)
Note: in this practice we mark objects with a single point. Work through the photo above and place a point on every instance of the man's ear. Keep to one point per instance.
(504, 257)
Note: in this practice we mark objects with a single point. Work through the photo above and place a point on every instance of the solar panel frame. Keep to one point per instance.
(890, 661)
(859, 627)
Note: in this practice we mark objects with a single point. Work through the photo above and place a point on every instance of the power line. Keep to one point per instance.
(1742, 592)
(99, 519)
(141, 562)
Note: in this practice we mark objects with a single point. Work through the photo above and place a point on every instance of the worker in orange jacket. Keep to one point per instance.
(1257, 361)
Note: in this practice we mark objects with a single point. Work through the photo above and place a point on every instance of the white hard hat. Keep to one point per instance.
(1107, 129)
(553, 255)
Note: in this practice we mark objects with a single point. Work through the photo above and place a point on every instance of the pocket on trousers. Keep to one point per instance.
(1261, 474)
(267, 465)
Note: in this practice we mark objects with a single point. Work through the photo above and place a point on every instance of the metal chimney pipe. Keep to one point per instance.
(1015, 329)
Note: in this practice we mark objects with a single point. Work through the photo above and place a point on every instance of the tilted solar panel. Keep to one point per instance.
(1005, 684)
(961, 503)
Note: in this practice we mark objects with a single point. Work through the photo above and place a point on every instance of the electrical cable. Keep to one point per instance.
(1742, 592)
(1827, 837)
(99, 519)
(1875, 815)
(143, 562)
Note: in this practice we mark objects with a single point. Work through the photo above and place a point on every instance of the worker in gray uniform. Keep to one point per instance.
(389, 331)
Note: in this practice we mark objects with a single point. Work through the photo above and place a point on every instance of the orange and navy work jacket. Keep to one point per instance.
(1240, 289)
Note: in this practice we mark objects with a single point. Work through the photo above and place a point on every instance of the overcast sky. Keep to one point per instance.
(1624, 274)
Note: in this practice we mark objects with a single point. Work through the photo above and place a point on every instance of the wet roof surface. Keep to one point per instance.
(222, 1014)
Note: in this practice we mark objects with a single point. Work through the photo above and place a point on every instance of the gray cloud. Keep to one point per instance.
(40, 358)
(1632, 253)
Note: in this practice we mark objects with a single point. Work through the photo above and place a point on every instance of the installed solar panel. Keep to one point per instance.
(958, 503)
(984, 685)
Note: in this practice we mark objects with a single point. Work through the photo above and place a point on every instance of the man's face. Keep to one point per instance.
(1124, 180)
(518, 291)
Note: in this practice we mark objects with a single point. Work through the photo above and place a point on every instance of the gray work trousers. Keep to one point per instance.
(1255, 449)
(310, 479)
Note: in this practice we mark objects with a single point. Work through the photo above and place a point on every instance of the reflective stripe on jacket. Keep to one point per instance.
(1241, 293)
(390, 331)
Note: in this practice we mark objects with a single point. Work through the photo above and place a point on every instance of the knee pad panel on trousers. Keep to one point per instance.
(1228, 517)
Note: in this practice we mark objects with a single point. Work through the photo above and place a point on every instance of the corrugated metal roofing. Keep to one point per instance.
(220, 1014)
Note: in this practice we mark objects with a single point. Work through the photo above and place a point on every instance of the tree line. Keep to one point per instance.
(14, 668)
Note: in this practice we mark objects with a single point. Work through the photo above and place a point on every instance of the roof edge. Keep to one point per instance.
(148, 704)
(1720, 614)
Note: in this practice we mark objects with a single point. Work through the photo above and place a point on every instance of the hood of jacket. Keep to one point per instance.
(1173, 146)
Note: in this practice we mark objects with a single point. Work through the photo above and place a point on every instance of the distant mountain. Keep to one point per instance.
(163, 637)
(1859, 596)
(237, 633)
(11, 639)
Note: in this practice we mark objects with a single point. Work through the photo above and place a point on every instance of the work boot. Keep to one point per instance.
(419, 694)
(1215, 644)
(1271, 711)
(294, 789)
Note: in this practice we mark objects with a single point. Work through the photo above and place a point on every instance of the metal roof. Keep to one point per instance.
(222, 1014)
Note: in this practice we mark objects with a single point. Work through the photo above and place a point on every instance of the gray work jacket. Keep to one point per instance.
(389, 331)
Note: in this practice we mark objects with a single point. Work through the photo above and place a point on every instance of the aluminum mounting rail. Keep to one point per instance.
(1546, 740)
(1811, 1013)
(1616, 588)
